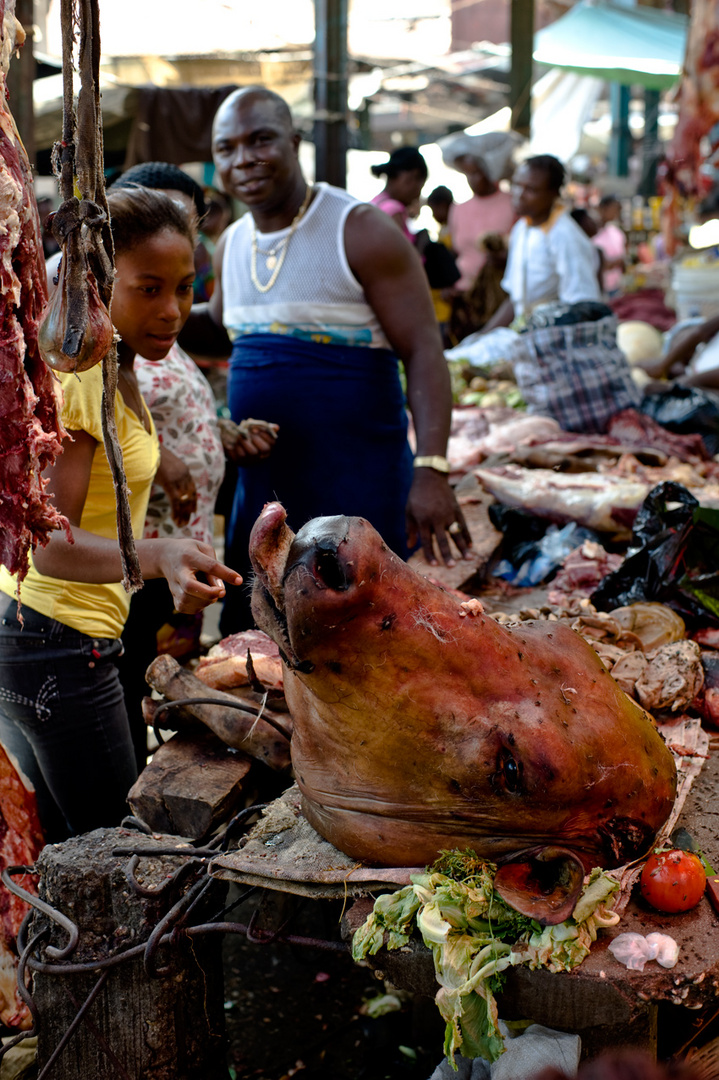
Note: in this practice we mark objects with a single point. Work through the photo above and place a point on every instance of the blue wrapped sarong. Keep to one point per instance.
(342, 446)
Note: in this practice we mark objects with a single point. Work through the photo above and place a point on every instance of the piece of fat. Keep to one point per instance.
(634, 950)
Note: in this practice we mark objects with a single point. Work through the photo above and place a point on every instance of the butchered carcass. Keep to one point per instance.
(30, 428)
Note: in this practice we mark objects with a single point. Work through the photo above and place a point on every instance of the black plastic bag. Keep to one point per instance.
(673, 558)
(686, 410)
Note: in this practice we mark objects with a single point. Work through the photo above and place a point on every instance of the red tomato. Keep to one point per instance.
(673, 881)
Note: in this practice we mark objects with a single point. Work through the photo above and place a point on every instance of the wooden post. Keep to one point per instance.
(651, 145)
(157, 1028)
(330, 128)
(20, 79)
(620, 140)
(520, 77)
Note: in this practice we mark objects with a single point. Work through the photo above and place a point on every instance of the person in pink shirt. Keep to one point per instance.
(406, 172)
(612, 242)
(488, 211)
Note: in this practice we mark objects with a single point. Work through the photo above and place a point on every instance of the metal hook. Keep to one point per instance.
(52, 913)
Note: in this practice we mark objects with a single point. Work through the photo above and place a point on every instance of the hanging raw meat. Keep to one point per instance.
(77, 331)
(30, 431)
(698, 100)
(20, 843)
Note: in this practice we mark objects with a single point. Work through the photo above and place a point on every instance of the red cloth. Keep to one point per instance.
(645, 305)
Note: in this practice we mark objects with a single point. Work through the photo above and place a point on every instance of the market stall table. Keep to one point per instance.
(601, 1000)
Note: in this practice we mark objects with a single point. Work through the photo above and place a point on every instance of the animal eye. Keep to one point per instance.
(510, 771)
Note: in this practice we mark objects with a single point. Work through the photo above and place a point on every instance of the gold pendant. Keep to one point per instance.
(271, 262)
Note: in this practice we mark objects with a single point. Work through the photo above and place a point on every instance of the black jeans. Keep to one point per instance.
(63, 717)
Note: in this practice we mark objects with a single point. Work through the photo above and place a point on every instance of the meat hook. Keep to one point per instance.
(52, 913)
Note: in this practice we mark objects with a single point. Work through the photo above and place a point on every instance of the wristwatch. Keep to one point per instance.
(432, 461)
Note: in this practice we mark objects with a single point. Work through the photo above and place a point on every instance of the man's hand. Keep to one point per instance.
(433, 514)
(252, 440)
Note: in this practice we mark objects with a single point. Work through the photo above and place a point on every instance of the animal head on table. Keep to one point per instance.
(419, 726)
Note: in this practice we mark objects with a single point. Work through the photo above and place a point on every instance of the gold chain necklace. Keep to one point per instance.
(270, 256)
(273, 262)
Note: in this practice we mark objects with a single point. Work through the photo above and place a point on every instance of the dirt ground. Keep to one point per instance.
(296, 1010)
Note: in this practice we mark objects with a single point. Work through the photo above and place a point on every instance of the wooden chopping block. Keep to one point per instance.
(192, 784)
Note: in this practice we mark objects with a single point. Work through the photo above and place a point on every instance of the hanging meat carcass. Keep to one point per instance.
(698, 117)
(30, 432)
(699, 94)
(77, 331)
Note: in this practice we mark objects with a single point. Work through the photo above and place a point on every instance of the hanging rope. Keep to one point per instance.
(77, 331)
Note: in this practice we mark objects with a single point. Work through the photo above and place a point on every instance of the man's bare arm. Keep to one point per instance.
(395, 285)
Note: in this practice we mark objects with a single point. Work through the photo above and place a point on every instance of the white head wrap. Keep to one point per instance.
(492, 150)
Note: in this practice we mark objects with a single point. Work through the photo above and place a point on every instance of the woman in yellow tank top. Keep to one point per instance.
(62, 711)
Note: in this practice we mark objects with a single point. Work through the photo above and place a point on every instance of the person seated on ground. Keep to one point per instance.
(612, 243)
(550, 257)
(692, 358)
(566, 359)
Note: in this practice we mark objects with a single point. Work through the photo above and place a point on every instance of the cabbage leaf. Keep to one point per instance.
(474, 936)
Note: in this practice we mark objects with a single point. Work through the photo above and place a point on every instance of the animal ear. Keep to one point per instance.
(544, 887)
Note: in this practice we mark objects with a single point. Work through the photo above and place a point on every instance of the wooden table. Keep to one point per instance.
(601, 1000)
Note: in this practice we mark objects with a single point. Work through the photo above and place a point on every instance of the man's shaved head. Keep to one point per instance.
(250, 94)
(255, 150)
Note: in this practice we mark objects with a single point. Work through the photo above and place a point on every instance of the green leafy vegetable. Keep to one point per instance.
(474, 936)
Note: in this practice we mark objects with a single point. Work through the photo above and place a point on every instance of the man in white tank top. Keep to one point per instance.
(315, 265)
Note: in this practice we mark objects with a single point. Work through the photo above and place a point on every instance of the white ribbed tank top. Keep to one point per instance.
(316, 296)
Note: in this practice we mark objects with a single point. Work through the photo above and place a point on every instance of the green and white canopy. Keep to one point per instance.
(630, 45)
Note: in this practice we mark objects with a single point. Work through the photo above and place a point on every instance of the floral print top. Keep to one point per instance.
(182, 405)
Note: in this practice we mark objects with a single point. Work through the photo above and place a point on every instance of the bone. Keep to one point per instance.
(241, 730)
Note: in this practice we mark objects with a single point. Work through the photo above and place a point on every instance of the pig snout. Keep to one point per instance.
(320, 548)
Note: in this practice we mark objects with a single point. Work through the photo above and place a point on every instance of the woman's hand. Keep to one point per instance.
(174, 477)
(195, 577)
(252, 440)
